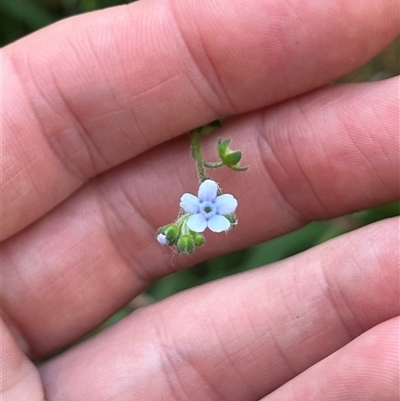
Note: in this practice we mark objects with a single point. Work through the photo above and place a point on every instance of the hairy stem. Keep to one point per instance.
(213, 165)
(197, 155)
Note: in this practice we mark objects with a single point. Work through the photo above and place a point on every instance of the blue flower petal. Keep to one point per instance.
(197, 223)
(190, 203)
(208, 190)
(218, 224)
(162, 239)
(226, 204)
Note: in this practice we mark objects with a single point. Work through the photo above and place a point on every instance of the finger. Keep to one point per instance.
(93, 91)
(19, 378)
(366, 369)
(313, 158)
(244, 336)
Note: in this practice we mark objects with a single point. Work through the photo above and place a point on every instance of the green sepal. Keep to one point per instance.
(231, 159)
(238, 168)
(228, 157)
(232, 219)
(223, 146)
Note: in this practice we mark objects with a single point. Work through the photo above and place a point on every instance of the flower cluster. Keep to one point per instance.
(210, 208)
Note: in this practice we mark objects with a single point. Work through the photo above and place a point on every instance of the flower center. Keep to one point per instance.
(208, 209)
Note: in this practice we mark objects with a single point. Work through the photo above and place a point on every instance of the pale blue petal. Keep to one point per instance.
(197, 223)
(226, 204)
(218, 224)
(162, 239)
(190, 203)
(208, 190)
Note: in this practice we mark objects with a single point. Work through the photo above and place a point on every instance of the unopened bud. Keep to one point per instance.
(185, 244)
(167, 235)
(199, 239)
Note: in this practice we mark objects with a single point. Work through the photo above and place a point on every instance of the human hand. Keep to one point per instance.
(94, 161)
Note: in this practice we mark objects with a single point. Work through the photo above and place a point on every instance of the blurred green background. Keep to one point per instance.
(20, 17)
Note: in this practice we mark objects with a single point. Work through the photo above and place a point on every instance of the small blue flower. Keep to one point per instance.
(208, 209)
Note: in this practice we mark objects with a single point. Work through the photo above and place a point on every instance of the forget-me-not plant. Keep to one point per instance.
(210, 209)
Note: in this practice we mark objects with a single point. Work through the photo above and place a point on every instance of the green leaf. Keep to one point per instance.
(378, 213)
(286, 245)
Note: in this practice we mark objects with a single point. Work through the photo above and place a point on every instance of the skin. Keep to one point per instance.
(94, 161)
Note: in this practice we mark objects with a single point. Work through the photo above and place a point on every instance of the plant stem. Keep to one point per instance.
(197, 155)
(213, 165)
